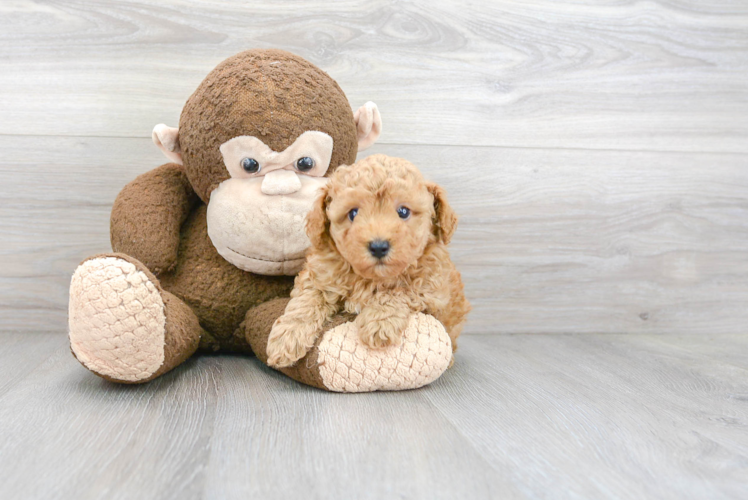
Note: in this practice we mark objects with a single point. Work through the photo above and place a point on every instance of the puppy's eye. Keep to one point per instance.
(305, 164)
(403, 212)
(352, 214)
(250, 165)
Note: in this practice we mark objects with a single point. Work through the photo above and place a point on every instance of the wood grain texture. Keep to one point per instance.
(594, 411)
(377, 445)
(549, 241)
(655, 75)
(67, 436)
(519, 416)
(21, 354)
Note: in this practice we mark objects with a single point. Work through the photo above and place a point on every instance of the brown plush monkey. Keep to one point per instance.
(206, 247)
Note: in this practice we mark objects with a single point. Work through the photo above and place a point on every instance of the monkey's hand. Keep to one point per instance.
(148, 213)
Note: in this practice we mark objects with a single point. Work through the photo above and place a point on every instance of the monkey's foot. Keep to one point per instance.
(340, 362)
(123, 326)
(348, 365)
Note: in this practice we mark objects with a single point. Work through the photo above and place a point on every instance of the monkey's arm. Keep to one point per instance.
(148, 214)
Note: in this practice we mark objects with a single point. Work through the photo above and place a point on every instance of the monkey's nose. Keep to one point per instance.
(280, 182)
(379, 248)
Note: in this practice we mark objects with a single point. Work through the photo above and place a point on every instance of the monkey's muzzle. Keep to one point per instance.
(257, 224)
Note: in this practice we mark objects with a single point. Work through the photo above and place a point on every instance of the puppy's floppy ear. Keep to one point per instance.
(445, 220)
(317, 224)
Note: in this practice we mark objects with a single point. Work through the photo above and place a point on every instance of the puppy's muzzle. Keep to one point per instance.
(379, 248)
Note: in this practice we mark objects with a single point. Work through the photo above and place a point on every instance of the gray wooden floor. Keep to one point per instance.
(519, 416)
(597, 153)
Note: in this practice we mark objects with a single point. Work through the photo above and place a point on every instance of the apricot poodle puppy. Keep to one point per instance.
(379, 235)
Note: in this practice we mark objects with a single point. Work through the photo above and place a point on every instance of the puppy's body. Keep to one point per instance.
(379, 236)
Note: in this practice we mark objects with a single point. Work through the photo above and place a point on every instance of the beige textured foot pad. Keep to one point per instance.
(347, 365)
(116, 319)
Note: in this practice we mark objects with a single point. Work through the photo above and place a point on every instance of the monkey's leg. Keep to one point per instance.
(123, 326)
(340, 362)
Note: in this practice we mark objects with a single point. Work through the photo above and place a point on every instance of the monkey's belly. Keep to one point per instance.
(218, 292)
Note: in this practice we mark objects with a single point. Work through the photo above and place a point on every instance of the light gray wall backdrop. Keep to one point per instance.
(596, 151)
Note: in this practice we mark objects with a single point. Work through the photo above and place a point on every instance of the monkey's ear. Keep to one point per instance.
(317, 223)
(167, 140)
(445, 220)
(368, 125)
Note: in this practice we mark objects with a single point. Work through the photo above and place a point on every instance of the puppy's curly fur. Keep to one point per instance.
(362, 203)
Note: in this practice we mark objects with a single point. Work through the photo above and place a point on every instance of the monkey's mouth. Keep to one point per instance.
(262, 265)
(258, 258)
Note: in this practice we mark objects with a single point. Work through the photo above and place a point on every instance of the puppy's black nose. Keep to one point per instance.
(379, 248)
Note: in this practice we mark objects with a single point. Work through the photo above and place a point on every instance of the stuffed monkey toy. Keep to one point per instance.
(206, 247)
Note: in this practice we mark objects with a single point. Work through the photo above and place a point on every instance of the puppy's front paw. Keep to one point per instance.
(288, 343)
(379, 334)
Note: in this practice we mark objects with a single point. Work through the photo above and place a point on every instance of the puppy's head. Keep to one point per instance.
(379, 214)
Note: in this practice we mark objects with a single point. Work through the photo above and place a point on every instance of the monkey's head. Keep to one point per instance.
(257, 139)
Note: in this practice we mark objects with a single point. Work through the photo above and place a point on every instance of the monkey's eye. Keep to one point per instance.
(250, 165)
(305, 164)
(403, 212)
(352, 214)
